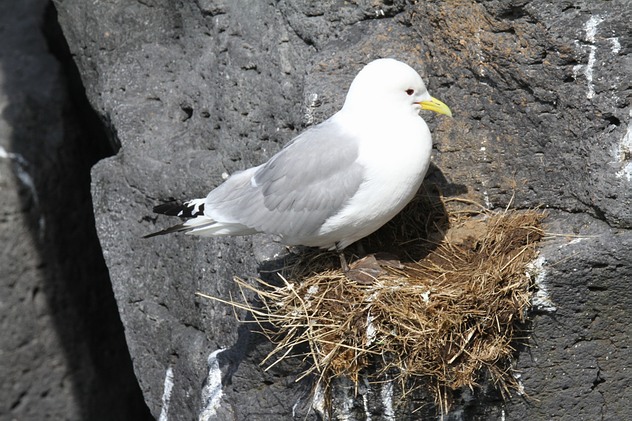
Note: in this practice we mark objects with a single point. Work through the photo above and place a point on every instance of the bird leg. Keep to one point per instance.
(343, 260)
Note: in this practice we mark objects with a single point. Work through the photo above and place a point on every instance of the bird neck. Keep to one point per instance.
(369, 114)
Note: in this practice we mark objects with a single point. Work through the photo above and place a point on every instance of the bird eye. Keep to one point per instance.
(409, 92)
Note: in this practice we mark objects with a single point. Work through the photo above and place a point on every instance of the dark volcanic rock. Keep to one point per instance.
(541, 96)
(63, 352)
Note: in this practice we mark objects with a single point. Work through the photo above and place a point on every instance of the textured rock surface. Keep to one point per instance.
(541, 95)
(62, 351)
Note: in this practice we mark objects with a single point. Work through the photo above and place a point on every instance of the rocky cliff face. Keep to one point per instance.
(62, 350)
(188, 91)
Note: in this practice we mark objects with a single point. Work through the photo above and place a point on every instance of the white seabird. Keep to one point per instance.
(336, 182)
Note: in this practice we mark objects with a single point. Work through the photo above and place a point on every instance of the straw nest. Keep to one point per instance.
(446, 315)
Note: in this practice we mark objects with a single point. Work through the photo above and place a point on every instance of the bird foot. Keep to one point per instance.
(369, 268)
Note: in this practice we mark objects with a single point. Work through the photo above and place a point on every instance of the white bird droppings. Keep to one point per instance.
(386, 394)
(365, 399)
(541, 299)
(212, 390)
(20, 171)
(623, 153)
(166, 395)
(616, 45)
(590, 29)
(25, 178)
(318, 400)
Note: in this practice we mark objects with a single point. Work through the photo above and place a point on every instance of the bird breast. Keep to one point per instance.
(395, 156)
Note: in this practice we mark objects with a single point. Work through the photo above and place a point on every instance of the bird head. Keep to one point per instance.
(387, 85)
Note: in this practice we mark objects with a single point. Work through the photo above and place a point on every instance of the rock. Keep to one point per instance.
(541, 97)
(63, 352)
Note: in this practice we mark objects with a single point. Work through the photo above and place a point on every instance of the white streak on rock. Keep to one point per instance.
(485, 159)
(13, 156)
(346, 406)
(386, 394)
(576, 240)
(588, 72)
(25, 178)
(20, 171)
(212, 391)
(365, 399)
(623, 153)
(318, 401)
(488, 203)
(518, 378)
(166, 395)
(590, 28)
(294, 408)
(541, 300)
(616, 45)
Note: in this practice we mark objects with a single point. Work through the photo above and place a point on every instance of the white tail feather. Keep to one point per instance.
(204, 226)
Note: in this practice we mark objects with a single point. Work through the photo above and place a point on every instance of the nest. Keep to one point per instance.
(447, 314)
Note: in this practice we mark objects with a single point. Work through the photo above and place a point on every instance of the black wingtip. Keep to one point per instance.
(170, 208)
(187, 209)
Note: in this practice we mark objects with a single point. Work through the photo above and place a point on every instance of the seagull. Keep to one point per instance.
(337, 181)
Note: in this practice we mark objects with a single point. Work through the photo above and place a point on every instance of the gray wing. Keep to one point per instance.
(300, 187)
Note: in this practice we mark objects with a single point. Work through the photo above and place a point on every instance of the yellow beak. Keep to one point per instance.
(435, 105)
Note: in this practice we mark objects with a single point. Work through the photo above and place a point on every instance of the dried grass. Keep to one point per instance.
(448, 315)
